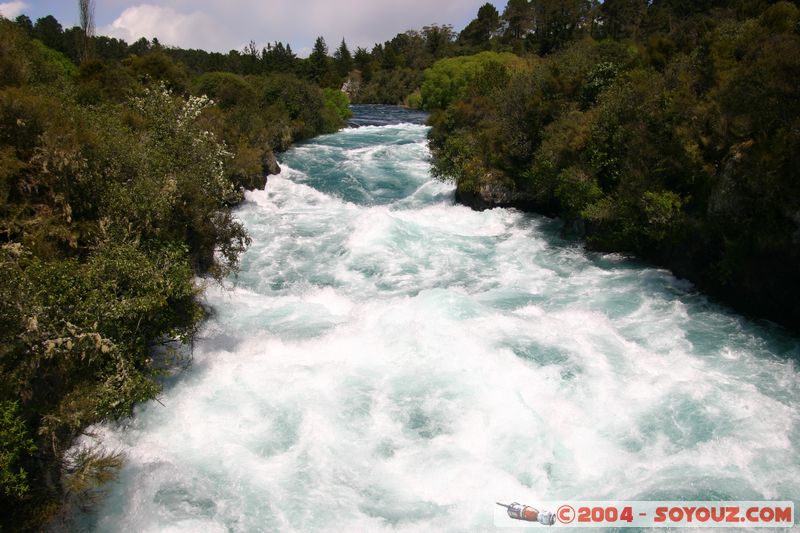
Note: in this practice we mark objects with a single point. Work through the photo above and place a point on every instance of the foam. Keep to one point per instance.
(401, 366)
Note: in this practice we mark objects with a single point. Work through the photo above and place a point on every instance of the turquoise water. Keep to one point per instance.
(389, 361)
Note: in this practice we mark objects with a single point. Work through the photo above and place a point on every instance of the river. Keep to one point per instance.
(389, 361)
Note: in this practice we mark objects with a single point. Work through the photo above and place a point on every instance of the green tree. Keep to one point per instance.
(438, 40)
(362, 60)
(623, 18)
(278, 58)
(319, 62)
(559, 22)
(156, 65)
(448, 78)
(343, 60)
(49, 31)
(24, 22)
(485, 26)
(518, 17)
(337, 105)
(140, 47)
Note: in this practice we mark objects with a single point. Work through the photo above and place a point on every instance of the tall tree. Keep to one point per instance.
(250, 59)
(483, 27)
(343, 59)
(140, 47)
(362, 60)
(558, 22)
(318, 60)
(622, 18)
(518, 18)
(86, 9)
(278, 58)
(49, 31)
(438, 39)
(24, 22)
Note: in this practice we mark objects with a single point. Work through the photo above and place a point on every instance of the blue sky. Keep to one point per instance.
(231, 24)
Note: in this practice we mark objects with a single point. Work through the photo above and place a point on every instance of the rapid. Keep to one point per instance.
(387, 360)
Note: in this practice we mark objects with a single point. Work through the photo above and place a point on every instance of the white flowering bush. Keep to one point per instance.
(172, 124)
(172, 181)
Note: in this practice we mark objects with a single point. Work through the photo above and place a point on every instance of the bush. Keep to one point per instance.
(448, 78)
(15, 444)
(228, 90)
(338, 102)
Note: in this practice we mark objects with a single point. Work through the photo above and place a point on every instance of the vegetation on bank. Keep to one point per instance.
(665, 129)
(117, 184)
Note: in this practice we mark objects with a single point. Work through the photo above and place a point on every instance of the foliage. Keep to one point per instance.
(86, 471)
(339, 103)
(14, 444)
(319, 64)
(673, 135)
(390, 86)
(485, 26)
(448, 78)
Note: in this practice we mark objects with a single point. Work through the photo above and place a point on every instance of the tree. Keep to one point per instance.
(24, 22)
(518, 18)
(50, 32)
(86, 8)
(557, 22)
(438, 39)
(343, 60)
(278, 58)
(318, 60)
(158, 66)
(109, 48)
(250, 59)
(622, 18)
(140, 47)
(448, 78)
(362, 60)
(484, 27)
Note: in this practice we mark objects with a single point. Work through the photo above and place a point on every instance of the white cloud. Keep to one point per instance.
(164, 23)
(11, 10)
(221, 26)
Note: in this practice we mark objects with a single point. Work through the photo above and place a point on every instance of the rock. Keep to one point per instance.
(251, 182)
(269, 163)
(494, 193)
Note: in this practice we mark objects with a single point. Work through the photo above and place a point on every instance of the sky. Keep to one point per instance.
(222, 25)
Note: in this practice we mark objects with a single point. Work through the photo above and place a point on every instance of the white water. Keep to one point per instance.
(389, 361)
